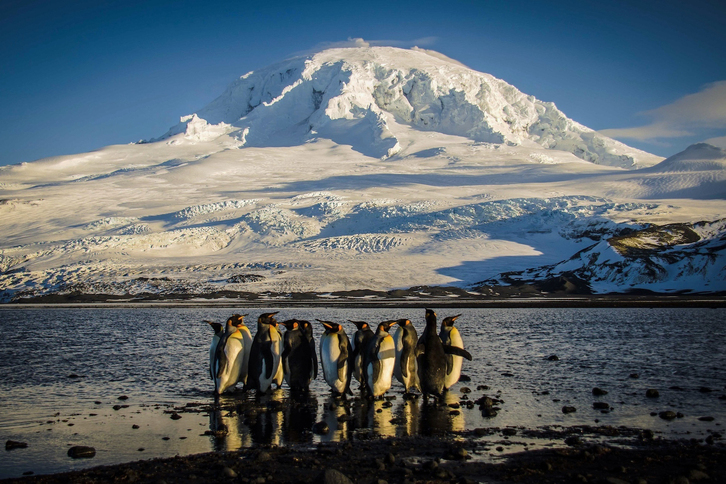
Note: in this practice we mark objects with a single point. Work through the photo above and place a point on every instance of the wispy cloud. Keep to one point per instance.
(705, 109)
(358, 42)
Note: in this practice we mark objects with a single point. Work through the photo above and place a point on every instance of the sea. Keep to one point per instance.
(112, 378)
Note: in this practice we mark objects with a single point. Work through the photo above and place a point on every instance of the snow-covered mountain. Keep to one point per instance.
(369, 97)
(363, 168)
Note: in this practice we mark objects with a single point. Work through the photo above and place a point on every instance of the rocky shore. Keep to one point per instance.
(419, 459)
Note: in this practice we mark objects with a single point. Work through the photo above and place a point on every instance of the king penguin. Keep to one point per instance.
(405, 340)
(297, 361)
(218, 332)
(265, 354)
(334, 351)
(359, 343)
(238, 321)
(380, 358)
(228, 359)
(431, 357)
(307, 330)
(450, 337)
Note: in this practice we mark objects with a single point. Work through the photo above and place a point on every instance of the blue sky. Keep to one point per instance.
(80, 75)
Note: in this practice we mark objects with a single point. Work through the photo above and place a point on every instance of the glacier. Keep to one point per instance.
(365, 170)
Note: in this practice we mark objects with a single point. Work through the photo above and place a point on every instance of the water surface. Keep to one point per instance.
(64, 369)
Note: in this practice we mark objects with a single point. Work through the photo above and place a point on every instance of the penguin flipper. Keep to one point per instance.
(455, 350)
(220, 358)
(343, 367)
(420, 350)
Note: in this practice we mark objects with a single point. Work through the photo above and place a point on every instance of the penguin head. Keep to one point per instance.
(430, 316)
(403, 322)
(330, 327)
(238, 319)
(385, 326)
(291, 324)
(217, 327)
(267, 318)
(449, 321)
(361, 325)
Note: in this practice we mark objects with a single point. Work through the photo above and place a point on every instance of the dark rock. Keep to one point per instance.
(465, 390)
(81, 452)
(634, 375)
(482, 387)
(321, 428)
(228, 472)
(598, 392)
(14, 444)
(553, 358)
(573, 441)
(488, 412)
(568, 409)
(485, 402)
(679, 415)
(175, 416)
(601, 406)
(652, 393)
(667, 415)
(134, 426)
(263, 457)
(705, 390)
(123, 397)
(647, 434)
(386, 404)
(73, 375)
(465, 378)
(706, 419)
(28, 473)
(509, 431)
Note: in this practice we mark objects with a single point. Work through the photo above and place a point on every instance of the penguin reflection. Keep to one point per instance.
(268, 424)
(300, 415)
(336, 413)
(440, 419)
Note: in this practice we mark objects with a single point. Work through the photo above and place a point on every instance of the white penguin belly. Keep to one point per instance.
(329, 354)
(247, 343)
(387, 361)
(277, 357)
(453, 376)
(234, 354)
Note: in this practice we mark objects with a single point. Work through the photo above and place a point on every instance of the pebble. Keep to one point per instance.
(14, 444)
(465, 390)
(332, 476)
(321, 428)
(634, 375)
(706, 419)
(81, 452)
(553, 358)
(652, 393)
(601, 406)
(509, 431)
(599, 392)
(175, 416)
(667, 415)
(568, 409)
(228, 472)
(263, 457)
(134, 426)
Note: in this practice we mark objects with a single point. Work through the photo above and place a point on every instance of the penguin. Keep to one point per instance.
(297, 361)
(405, 339)
(334, 351)
(238, 321)
(264, 354)
(450, 337)
(228, 359)
(359, 343)
(380, 358)
(307, 329)
(431, 358)
(218, 332)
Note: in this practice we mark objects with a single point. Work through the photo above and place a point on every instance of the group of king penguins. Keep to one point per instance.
(430, 364)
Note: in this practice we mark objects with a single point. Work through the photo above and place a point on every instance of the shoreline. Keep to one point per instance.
(604, 301)
(450, 458)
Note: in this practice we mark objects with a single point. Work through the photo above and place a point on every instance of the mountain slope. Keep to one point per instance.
(287, 183)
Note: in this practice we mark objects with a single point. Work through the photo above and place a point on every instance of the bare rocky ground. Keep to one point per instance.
(426, 460)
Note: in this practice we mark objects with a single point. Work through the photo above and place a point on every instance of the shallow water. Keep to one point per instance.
(57, 363)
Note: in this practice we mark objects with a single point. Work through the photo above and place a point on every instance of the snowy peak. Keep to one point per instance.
(697, 157)
(368, 97)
